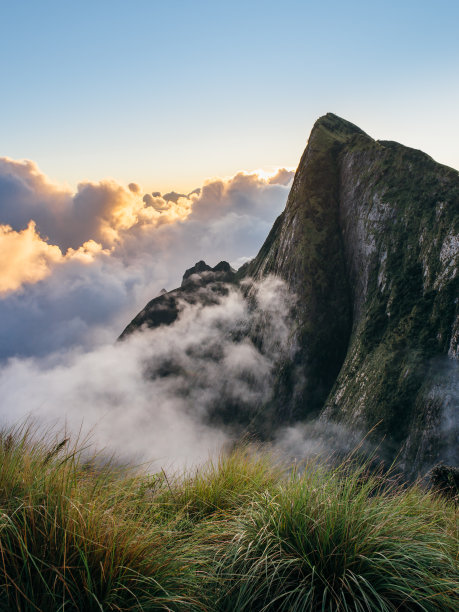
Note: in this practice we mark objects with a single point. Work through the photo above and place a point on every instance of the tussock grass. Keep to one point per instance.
(342, 539)
(220, 488)
(239, 533)
(78, 537)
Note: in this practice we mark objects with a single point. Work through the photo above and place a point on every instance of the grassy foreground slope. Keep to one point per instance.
(237, 534)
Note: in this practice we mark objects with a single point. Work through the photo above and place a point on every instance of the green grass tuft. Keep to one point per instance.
(341, 539)
(78, 537)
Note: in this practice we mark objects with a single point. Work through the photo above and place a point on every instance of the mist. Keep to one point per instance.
(151, 397)
(444, 398)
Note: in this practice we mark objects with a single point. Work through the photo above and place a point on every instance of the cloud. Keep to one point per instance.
(97, 211)
(322, 439)
(134, 187)
(216, 357)
(87, 299)
(105, 211)
(24, 257)
(443, 396)
(244, 193)
(98, 255)
(283, 176)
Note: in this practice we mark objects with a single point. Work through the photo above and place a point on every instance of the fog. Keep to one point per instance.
(149, 398)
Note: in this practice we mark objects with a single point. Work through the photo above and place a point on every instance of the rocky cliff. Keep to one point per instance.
(369, 244)
(200, 284)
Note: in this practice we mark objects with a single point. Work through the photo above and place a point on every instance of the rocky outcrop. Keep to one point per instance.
(200, 284)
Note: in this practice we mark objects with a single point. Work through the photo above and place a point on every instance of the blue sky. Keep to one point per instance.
(168, 93)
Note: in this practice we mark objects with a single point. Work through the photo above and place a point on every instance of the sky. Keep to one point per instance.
(140, 137)
(167, 94)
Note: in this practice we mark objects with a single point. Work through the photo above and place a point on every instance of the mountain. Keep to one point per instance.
(369, 245)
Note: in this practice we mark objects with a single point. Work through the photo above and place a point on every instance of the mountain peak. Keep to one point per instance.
(337, 125)
(368, 244)
(198, 268)
(330, 130)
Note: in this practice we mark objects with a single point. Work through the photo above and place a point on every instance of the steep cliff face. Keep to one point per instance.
(369, 244)
(305, 248)
(369, 241)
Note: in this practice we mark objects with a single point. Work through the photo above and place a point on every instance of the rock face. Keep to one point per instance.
(369, 241)
(200, 284)
(369, 244)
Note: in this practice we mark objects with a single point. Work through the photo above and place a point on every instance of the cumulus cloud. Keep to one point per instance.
(77, 266)
(244, 193)
(105, 211)
(27, 194)
(98, 255)
(97, 211)
(24, 257)
(283, 176)
(152, 396)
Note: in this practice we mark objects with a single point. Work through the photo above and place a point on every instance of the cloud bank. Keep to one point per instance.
(76, 267)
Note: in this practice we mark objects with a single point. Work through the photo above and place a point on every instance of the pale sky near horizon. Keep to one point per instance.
(165, 94)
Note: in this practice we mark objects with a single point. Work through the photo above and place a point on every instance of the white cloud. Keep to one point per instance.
(77, 267)
(24, 257)
(97, 256)
(120, 393)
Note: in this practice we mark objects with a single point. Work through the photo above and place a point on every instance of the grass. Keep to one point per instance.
(75, 536)
(240, 533)
(340, 539)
